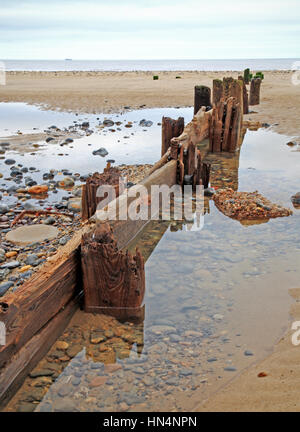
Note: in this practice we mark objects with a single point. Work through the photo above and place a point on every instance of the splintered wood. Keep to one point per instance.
(170, 129)
(90, 201)
(225, 126)
(248, 206)
(113, 280)
(191, 169)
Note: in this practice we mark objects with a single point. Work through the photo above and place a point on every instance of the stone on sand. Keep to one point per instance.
(32, 234)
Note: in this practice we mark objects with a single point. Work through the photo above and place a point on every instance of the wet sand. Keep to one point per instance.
(112, 91)
(277, 391)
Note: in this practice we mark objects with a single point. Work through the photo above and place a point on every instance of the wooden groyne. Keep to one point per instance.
(96, 260)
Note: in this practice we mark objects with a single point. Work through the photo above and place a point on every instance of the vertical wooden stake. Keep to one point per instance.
(255, 91)
(113, 281)
(202, 98)
(170, 129)
(217, 91)
(245, 96)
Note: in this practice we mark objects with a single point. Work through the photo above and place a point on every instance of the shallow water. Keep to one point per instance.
(134, 145)
(216, 301)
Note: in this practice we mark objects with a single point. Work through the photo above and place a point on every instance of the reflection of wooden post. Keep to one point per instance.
(113, 281)
(255, 91)
(202, 98)
(170, 129)
(89, 199)
(217, 91)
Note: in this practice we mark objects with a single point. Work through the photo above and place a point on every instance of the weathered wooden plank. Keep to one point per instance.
(202, 97)
(90, 200)
(254, 98)
(113, 280)
(236, 129)
(126, 230)
(217, 91)
(170, 129)
(26, 311)
(227, 124)
(21, 363)
(245, 96)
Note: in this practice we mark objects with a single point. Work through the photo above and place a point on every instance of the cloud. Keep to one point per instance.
(53, 28)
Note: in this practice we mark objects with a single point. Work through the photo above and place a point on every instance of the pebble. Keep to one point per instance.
(296, 198)
(11, 265)
(100, 152)
(98, 381)
(172, 382)
(64, 240)
(49, 221)
(32, 260)
(4, 287)
(41, 373)
(9, 161)
(25, 268)
(4, 209)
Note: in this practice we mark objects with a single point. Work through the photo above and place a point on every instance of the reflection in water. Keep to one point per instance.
(216, 301)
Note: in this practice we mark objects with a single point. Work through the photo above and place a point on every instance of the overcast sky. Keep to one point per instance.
(149, 29)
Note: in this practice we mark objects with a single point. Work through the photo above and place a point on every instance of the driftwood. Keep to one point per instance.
(255, 91)
(202, 98)
(170, 129)
(90, 201)
(113, 281)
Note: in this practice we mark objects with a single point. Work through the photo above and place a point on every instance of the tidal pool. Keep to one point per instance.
(217, 300)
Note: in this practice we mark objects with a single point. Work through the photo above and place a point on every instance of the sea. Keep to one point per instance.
(151, 65)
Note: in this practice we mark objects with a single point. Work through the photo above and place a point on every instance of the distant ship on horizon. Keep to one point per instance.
(68, 59)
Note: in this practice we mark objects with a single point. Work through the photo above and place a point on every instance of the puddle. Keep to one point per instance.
(216, 301)
(134, 145)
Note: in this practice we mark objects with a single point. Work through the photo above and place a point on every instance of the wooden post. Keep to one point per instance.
(228, 123)
(170, 129)
(245, 96)
(113, 280)
(236, 128)
(90, 201)
(255, 91)
(202, 98)
(225, 126)
(217, 91)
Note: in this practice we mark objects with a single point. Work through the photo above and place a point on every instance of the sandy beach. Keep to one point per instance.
(270, 385)
(108, 92)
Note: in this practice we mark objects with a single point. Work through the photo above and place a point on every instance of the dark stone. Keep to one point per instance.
(209, 192)
(100, 152)
(4, 287)
(9, 161)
